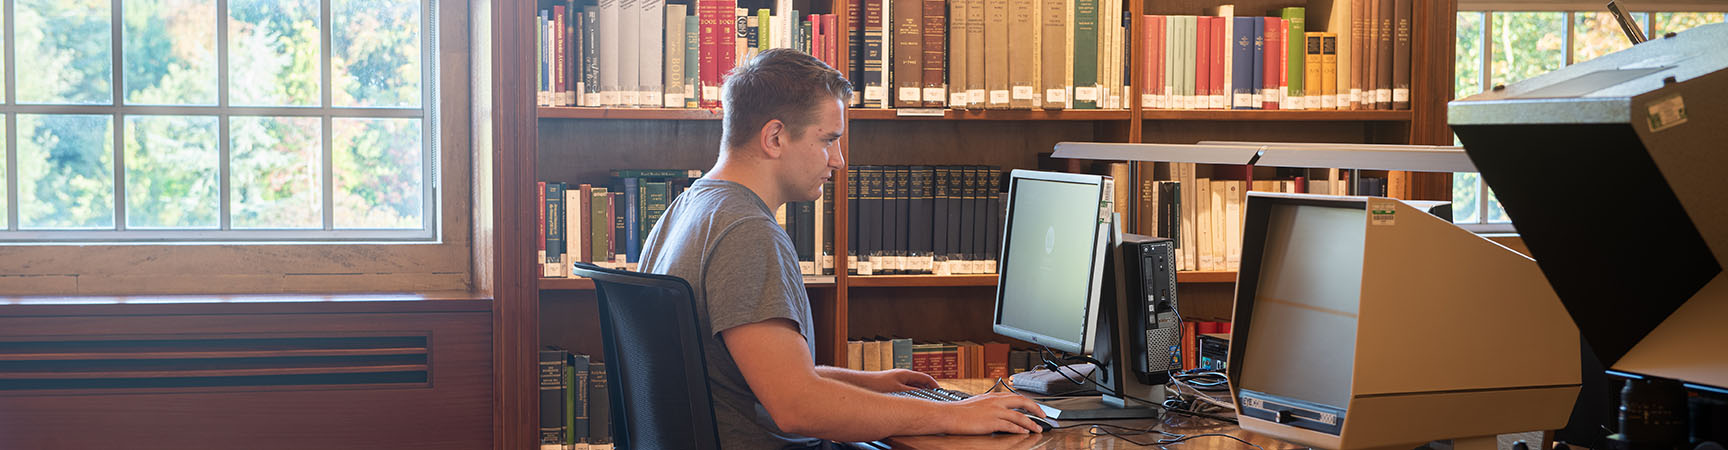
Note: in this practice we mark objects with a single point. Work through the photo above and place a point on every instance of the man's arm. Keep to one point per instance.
(893, 380)
(775, 361)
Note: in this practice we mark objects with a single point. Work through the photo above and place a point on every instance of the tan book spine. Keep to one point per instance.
(976, 95)
(996, 40)
(1358, 58)
(1053, 54)
(1235, 193)
(1203, 222)
(1220, 224)
(1383, 49)
(1022, 45)
(957, 33)
(908, 53)
(935, 53)
(1190, 253)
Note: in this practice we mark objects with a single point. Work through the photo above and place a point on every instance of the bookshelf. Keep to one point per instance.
(531, 143)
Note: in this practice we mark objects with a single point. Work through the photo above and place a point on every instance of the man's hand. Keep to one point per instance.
(897, 380)
(991, 413)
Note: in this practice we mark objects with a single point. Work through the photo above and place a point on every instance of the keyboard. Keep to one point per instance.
(935, 395)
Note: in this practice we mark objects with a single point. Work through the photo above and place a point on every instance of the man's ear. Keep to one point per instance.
(773, 138)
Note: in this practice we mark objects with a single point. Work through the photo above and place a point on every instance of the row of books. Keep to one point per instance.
(575, 413)
(1358, 58)
(1191, 331)
(606, 225)
(991, 54)
(603, 224)
(1202, 207)
(651, 53)
(943, 220)
(945, 360)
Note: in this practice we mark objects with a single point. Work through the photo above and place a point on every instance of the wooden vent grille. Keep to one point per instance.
(212, 362)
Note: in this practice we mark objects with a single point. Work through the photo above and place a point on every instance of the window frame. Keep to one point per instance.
(1569, 8)
(429, 229)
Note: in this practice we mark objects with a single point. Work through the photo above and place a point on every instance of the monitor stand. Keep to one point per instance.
(1103, 405)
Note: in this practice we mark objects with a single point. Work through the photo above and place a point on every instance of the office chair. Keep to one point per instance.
(656, 375)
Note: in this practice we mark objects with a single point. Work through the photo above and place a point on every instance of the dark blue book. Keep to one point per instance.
(555, 232)
(939, 216)
(632, 219)
(578, 407)
(552, 391)
(1242, 63)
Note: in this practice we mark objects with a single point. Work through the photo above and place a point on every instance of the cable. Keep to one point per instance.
(1104, 429)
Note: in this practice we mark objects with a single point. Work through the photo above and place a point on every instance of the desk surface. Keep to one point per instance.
(1082, 437)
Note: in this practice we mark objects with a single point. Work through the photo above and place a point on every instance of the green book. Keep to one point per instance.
(1295, 66)
(599, 204)
(766, 40)
(1086, 54)
(654, 202)
(692, 61)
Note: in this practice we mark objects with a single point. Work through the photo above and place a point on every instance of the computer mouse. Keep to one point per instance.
(1044, 424)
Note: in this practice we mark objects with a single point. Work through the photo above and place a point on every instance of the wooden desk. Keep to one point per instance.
(1082, 437)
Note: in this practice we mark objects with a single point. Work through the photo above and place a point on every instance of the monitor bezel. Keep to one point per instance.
(1101, 239)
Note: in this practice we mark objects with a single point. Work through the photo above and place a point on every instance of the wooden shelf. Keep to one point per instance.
(921, 280)
(569, 112)
(565, 112)
(586, 284)
(1278, 115)
(990, 280)
(987, 114)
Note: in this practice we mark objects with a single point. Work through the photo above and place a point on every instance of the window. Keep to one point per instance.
(1503, 47)
(219, 120)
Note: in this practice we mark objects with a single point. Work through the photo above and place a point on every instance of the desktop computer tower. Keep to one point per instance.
(1149, 291)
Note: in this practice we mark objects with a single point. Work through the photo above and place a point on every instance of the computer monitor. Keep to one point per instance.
(1364, 322)
(1056, 288)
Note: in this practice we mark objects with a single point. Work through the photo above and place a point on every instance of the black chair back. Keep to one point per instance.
(655, 372)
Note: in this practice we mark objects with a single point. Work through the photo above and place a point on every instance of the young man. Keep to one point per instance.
(784, 112)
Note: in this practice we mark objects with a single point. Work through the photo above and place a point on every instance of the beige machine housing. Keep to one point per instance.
(1454, 336)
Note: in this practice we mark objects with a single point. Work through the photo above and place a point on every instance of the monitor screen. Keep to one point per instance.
(1050, 259)
(1305, 306)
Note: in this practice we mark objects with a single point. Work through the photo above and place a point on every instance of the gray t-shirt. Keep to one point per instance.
(721, 238)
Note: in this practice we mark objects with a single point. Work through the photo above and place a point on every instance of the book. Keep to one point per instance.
(902, 353)
(555, 235)
(935, 53)
(908, 52)
(579, 244)
(1384, 17)
(1023, 53)
(600, 228)
(1311, 63)
(650, 20)
(997, 39)
(552, 392)
(576, 401)
(1329, 72)
(599, 408)
(976, 40)
(1295, 68)
(1243, 63)
(1085, 47)
(1268, 65)
(873, 356)
(995, 360)
(1052, 55)
(875, 74)
(957, 33)
(1401, 54)
(674, 74)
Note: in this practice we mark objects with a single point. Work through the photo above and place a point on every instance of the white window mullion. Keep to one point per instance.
(327, 154)
(429, 179)
(224, 173)
(11, 142)
(118, 87)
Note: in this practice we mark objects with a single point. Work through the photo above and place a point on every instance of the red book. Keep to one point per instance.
(995, 360)
(708, 20)
(726, 41)
(1272, 35)
(1207, 327)
(1202, 63)
(831, 29)
(950, 361)
(1220, 45)
(1224, 327)
(1301, 188)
